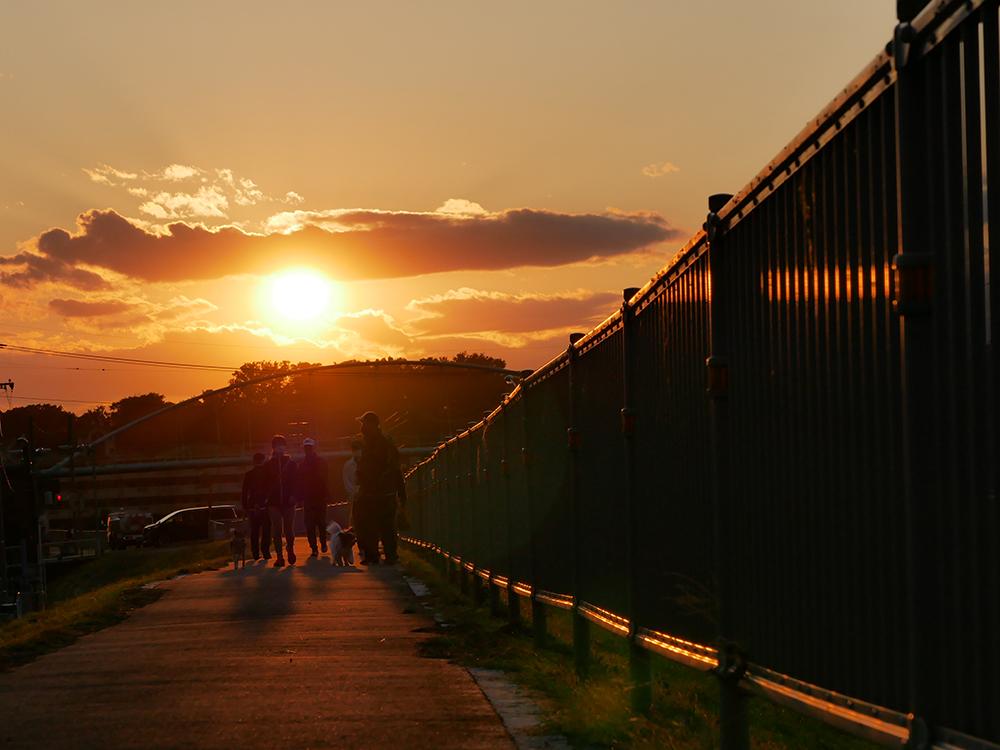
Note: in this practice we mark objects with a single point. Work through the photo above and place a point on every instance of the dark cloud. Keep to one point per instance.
(470, 310)
(75, 308)
(32, 268)
(348, 245)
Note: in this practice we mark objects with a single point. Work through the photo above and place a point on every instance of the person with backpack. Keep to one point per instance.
(255, 508)
(380, 488)
(280, 501)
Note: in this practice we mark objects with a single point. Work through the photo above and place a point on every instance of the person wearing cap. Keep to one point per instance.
(255, 509)
(280, 480)
(311, 490)
(380, 486)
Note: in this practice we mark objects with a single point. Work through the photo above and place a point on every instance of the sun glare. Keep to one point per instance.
(300, 295)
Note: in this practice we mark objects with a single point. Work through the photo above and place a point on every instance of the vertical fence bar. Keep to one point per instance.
(513, 600)
(493, 482)
(476, 555)
(581, 626)
(913, 301)
(640, 668)
(989, 577)
(538, 614)
(451, 487)
(733, 725)
(468, 529)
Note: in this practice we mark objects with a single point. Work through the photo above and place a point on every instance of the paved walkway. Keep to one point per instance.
(305, 657)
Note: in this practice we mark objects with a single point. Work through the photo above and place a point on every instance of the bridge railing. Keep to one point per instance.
(778, 459)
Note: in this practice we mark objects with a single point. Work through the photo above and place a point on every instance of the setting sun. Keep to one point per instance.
(300, 295)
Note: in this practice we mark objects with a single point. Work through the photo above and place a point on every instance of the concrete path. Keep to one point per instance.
(305, 657)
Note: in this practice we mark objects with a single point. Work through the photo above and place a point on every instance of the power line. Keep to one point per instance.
(31, 329)
(15, 366)
(119, 360)
(53, 400)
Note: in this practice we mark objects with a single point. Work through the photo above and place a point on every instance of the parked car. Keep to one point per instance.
(127, 527)
(189, 524)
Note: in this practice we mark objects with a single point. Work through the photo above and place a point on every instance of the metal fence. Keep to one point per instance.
(779, 458)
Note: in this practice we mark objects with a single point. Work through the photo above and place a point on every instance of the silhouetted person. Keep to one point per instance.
(380, 483)
(255, 508)
(312, 490)
(280, 501)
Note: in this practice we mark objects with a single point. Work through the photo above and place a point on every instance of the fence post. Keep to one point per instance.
(513, 601)
(913, 300)
(733, 725)
(581, 625)
(640, 667)
(538, 615)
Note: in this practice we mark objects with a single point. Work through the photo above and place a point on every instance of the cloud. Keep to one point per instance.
(349, 244)
(472, 310)
(461, 207)
(660, 169)
(74, 308)
(34, 268)
(370, 334)
(209, 193)
(207, 202)
(182, 307)
(108, 175)
(178, 172)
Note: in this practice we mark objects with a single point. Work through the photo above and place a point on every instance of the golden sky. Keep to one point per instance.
(436, 176)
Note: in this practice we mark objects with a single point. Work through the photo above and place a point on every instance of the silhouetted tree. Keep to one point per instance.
(478, 358)
(132, 407)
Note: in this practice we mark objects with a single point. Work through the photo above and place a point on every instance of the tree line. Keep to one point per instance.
(419, 404)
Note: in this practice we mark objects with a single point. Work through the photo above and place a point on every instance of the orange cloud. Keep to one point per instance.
(346, 244)
(74, 308)
(660, 169)
(472, 310)
(35, 268)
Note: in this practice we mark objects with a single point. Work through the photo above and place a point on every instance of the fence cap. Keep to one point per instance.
(716, 201)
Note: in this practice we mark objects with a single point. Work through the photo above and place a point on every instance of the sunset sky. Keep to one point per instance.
(216, 182)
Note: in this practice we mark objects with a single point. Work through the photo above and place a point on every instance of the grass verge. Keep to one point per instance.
(595, 712)
(98, 594)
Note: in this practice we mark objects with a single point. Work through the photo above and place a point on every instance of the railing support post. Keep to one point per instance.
(581, 626)
(539, 624)
(641, 677)
(921, 447)
(494, 597)
(640, 667)
(513, 604)
(734, 732)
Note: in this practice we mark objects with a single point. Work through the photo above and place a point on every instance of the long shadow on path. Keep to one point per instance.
(308, 656)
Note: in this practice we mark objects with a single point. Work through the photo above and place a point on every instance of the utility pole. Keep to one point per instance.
(7, 387)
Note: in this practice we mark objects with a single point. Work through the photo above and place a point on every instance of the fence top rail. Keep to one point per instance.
(931, 25)
(927, 30)
(874, 79)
